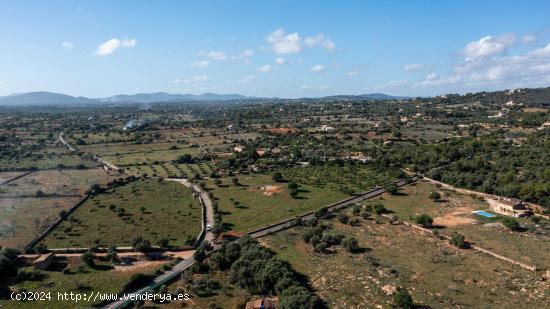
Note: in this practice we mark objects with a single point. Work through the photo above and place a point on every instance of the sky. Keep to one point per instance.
(273, 48)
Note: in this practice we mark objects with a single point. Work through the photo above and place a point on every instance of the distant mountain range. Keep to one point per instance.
(42, 98)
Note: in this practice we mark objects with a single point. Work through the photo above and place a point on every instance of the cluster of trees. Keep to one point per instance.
(489, 164)
(259, 271)
(321, 238)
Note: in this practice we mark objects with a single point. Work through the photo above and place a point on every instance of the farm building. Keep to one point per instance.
(44, 261)
(509, 207)
(238, 148)
(264, 303)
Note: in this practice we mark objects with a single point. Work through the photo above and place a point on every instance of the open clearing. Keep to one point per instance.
(453, 214)
(147, 208)
(436, 274)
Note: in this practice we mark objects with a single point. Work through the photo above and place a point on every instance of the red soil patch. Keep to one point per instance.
(282, 131)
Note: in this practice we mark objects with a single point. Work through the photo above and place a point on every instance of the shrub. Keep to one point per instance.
(512, 224)
(137, 281)
(278, 177)
(88, 258)
(292, 185)
(379, 209)
(392, 189)
(320, 247)
(342, 218)
(402, 299)
(458, 241)
(434, 195)
(293, 193)
(350, 244)
(298, 297)
(355, 221)
(425, 220)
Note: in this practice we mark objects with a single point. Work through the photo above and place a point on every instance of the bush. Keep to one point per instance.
(350, 244)
(292, 185)
(320, 247)
(379, 209)
(402, 299)
(141, 244)
(137, 281)
(293, 193)
(392, 189)
(434, 195)
(298, 297)
(355, 221)
(342, 218)
(278, 177)
(512, 224)
(458, 241)
(88, 258)
(425, 220)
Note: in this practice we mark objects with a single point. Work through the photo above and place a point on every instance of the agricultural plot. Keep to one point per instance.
(46, 159)
(151, 157)
(8, 175)
(97, 138)
(391, 256)
(349, 178)
(258, 201)
(149, 208)
(78, 278)
(22, 219)
(31, 203)
(56, 183)
(169, 170)
(453, 213)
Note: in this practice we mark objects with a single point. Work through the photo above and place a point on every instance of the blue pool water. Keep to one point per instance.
(485, 214)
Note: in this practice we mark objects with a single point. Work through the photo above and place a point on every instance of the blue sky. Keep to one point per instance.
(273, 48)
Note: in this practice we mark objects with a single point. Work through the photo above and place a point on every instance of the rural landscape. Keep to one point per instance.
(327, 194)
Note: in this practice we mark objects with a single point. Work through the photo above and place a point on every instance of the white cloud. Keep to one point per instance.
(217, 55)
(391, 84)
(488, 46)
(320, 40)
(317, 68)
(317, 88)
(112, 45)
(280, 61)
(199, 64)
(282, 43)
(247, 53)
(529, 38)
(265, 68)
(67, 45)
(352, 73)
(413, 67)
(247, 79)
(198, 78)
(433, 79)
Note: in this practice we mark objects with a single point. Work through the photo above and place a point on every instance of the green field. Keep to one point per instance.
(81, 279)
(262, 201)
(435, 274)
(151, 209)
(169, 169)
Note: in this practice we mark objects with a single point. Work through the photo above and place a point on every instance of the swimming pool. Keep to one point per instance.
(485, 214)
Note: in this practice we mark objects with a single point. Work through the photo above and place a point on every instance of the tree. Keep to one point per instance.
(434, 195)
(425, 220)
(163, 242)
(88, 258)
(141, 244)
(235, 181)
(297, 297)
(392, 189)
(402, 299)
(512, 224)
(292, 185)
(293, 193)
(277, 176)
(458, 241)
(185, 158)
(200, 254)
(350, 244)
